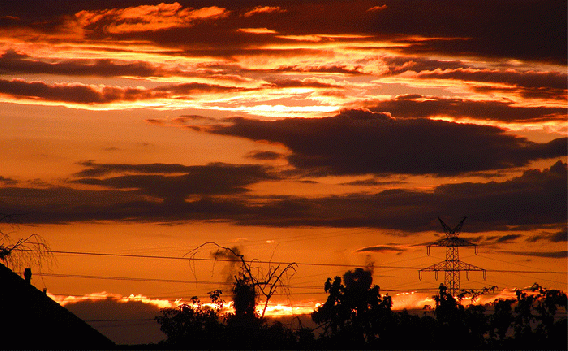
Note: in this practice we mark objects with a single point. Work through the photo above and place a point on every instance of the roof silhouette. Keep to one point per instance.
(33, 320)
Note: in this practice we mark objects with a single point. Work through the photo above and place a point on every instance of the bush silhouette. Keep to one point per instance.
(356, 316)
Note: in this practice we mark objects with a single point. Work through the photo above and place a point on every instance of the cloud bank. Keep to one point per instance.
(361, 142)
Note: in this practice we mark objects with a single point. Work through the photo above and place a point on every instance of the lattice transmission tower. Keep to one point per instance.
(451, 266)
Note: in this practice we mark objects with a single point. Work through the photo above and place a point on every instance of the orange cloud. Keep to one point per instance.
(264, 9)
(146, 17)
(257, 30)
(377, 8)
(70, 299)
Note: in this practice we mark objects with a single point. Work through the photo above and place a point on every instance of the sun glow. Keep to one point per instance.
(70, 299)
(553, 127)
(411, 300)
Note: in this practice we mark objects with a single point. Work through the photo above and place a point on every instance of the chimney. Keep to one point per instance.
(28, 275)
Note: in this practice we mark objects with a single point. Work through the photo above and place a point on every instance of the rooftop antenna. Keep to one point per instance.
(451, 266)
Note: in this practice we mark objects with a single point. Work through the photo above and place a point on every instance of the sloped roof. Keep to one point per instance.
(32, 320)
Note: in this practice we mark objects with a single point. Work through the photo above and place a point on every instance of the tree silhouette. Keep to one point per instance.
(17, 254)
(252, 283)
(356, 315)
(501, 319)
(196, 325)
(353, 311)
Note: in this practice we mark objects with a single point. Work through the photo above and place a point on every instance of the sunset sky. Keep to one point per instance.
(327, 133)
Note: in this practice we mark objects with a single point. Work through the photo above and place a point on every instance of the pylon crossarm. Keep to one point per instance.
(453, 241)
(441, 266)
(462, 266)
(452, 266)
(435, 268)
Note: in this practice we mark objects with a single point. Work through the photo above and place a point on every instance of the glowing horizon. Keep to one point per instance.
(401, 301)
(331, 134)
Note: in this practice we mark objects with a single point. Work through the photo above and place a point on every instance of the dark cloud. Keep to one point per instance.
(507, 238)
(561, 236)
(526, 30)
(533, 200)
(12, 62)
(264, 155)
(145, 192)
(93, 169)
(186, 118)
(81, 94)
(550, 85)
(57, 204)
(111, 149)
(381, 248)
(526, 93)
(430, 106)
(557, 237)
(87, 94)
(361, 142)
(196, 88)
(371, 182)
(155, 121)
(552, 80)
(174, 182)
(7, 181)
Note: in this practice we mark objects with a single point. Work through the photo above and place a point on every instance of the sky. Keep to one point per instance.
(332, 134)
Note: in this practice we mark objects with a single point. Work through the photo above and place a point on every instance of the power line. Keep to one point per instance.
(221, 259)
(122, 278)
(513, 263)
(280, 262)
(61, 275)
(530, 272)
(206, 282)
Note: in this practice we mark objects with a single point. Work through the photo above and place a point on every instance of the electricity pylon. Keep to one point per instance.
(452, 266)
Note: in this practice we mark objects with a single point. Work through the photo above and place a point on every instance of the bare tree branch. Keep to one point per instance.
(263, 283)
(24, 252)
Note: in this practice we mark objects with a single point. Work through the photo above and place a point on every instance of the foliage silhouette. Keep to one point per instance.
(356, 316)
(354, 311)
(22, 253)
(251, 282)
(196, 324)
(200, 326)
